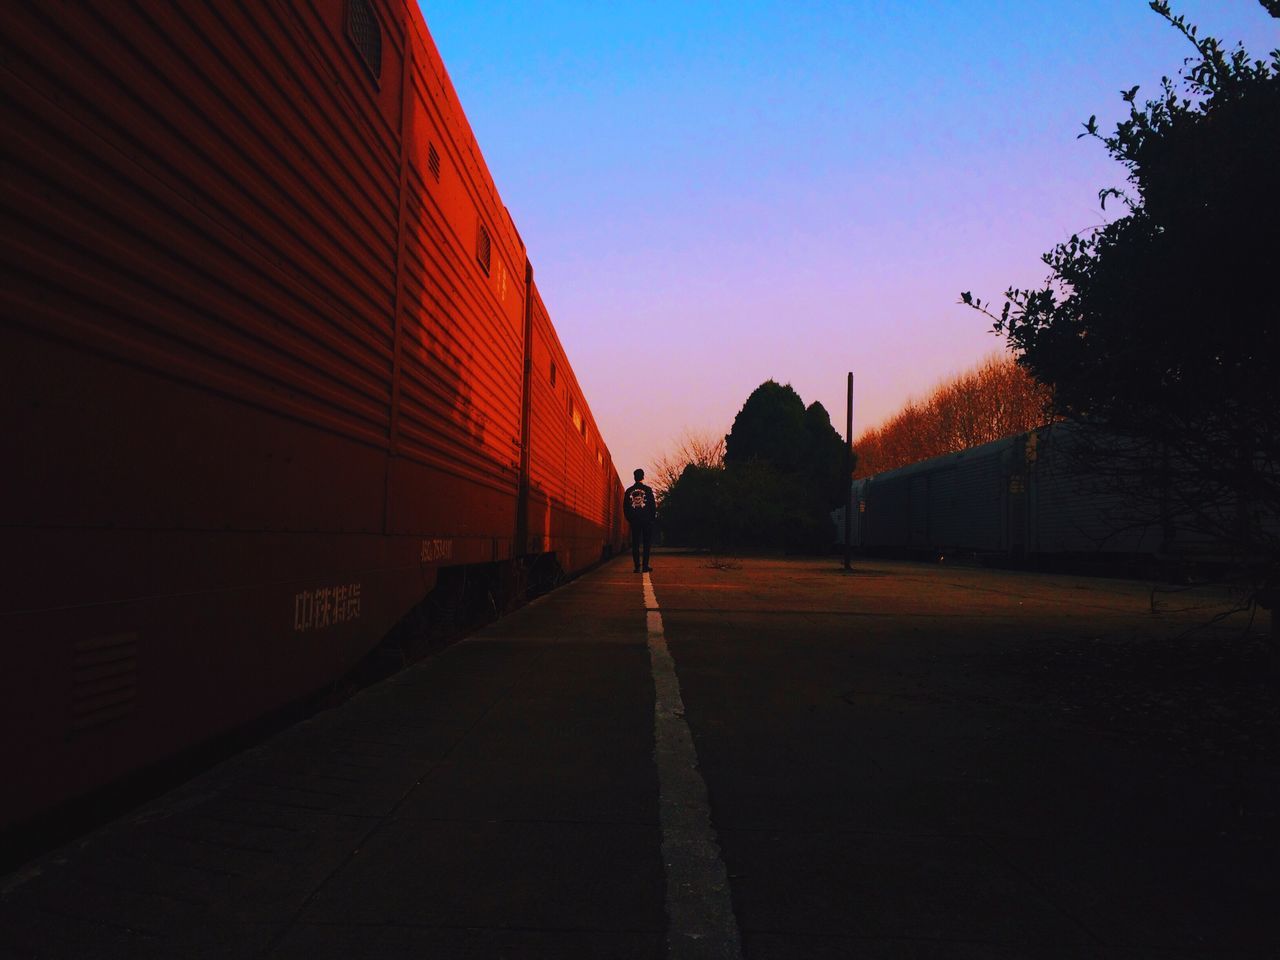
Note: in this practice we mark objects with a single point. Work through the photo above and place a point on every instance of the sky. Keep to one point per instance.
(715, 194)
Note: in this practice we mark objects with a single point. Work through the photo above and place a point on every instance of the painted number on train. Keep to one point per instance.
(436, 550)
(326, 607)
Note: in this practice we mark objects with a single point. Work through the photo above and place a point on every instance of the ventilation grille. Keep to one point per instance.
(366, 34)
(433, 160)
(482, 247)
(104, 673)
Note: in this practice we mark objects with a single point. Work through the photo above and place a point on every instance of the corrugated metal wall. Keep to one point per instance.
(202, 239)
(968, 505)
(461, 352)
(572, 478)
(262, 367)
(956, 502)
(1075, 509)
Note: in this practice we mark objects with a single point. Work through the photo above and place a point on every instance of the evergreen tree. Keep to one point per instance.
(769, 427)
(824, 457)
(783, 472)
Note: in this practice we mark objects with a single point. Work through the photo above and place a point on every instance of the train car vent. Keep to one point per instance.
(433, 160)
(482, 247)
(104, 674)
(365, 34)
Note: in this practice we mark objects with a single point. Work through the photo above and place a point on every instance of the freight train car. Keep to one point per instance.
(272, 360)
(1038, 497)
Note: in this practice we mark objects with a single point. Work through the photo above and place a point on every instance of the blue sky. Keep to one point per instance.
(713, 194)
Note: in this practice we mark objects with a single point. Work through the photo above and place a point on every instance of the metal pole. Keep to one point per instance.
(848, 478)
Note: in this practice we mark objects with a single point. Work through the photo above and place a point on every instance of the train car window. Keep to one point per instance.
(483, 247)
(553, 373)
(433, 161)
(366, 35)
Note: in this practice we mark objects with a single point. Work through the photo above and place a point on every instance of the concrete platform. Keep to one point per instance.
(905, 761)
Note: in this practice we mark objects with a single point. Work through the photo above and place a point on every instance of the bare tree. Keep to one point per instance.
(995, 399)
(692, 448)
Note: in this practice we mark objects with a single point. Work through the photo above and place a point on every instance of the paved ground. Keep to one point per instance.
(906, 761)
(910, 761)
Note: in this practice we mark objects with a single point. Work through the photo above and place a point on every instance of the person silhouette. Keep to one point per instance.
(640, 508)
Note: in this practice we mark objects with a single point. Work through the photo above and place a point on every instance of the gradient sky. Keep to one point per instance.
(713, 194)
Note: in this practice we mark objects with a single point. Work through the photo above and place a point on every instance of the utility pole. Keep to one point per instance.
(848, 478)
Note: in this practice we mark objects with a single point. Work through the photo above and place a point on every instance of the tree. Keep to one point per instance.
(770, 427)
(1161, 327)
(774, 426)
(690, 449)
(995, 399)
(782, 472)
(823, 457)
(692, 511)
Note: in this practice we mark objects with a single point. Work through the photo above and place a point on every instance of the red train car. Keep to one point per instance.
(566, 506)
(272, 358)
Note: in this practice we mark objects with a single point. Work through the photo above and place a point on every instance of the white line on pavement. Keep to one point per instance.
(700, 921)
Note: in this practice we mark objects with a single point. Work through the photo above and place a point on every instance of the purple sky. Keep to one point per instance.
(714, 194)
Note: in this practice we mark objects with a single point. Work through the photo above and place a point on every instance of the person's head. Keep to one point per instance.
(639, 474)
